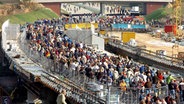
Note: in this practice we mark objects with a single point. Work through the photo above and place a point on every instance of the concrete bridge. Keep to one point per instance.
(150, 5)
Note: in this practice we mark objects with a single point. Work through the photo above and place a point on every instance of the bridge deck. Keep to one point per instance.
(26, 68)
(23, 61)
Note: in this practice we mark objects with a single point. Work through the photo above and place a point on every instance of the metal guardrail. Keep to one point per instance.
(59, 77)
(149, 54)
(132, 94)
(79, 94)
(74, 82)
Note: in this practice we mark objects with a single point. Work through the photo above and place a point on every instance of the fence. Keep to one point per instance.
(132, 95)
(73, 92)
(75, 82)
(148, 54)
(67, 79)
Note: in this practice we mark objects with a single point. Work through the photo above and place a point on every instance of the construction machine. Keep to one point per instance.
(176, 19)
(174, 27)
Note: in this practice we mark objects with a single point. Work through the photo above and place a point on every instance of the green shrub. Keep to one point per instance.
(158, 14)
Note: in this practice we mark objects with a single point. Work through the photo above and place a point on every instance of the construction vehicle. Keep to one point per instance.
(176, 19)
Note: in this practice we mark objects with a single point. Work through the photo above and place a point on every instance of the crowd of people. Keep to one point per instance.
(104, 23)
(47, 38)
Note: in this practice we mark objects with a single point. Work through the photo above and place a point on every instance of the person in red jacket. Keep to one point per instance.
(160, 76)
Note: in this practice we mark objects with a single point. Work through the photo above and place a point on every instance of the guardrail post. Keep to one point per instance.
(131, 97)
(108, 95)
(84, 80)
(167, 90)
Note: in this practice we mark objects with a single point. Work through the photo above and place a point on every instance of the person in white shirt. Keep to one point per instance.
(61, 97)
(73, 49)
(81, 45)
(129, 72)
(116, 75)
(73, 65)
(163, 101)
(95, 68)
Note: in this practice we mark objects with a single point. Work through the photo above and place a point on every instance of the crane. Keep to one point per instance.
(177, 12)
(176, 20)
(177, 17)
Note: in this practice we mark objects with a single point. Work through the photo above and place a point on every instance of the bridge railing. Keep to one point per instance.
(133, 95)
(73, 92)
(70, 80)
(74, 81)
(172, 61)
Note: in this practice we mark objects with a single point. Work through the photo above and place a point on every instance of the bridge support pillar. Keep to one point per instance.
(151, 7)
(102, 8)
(56, 7)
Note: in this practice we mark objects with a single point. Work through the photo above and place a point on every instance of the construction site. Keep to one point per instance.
(114, 55)
(166, 40)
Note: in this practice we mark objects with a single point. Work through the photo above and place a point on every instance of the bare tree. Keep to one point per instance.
(27, 3)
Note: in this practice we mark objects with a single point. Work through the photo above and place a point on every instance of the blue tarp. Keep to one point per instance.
(125, 26)
(138, 26)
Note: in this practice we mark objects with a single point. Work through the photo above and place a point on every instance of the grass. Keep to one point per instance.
(30, 17)
(158, 14)
(163, 12)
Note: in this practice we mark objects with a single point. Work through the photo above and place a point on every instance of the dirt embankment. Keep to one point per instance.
(11, 9)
